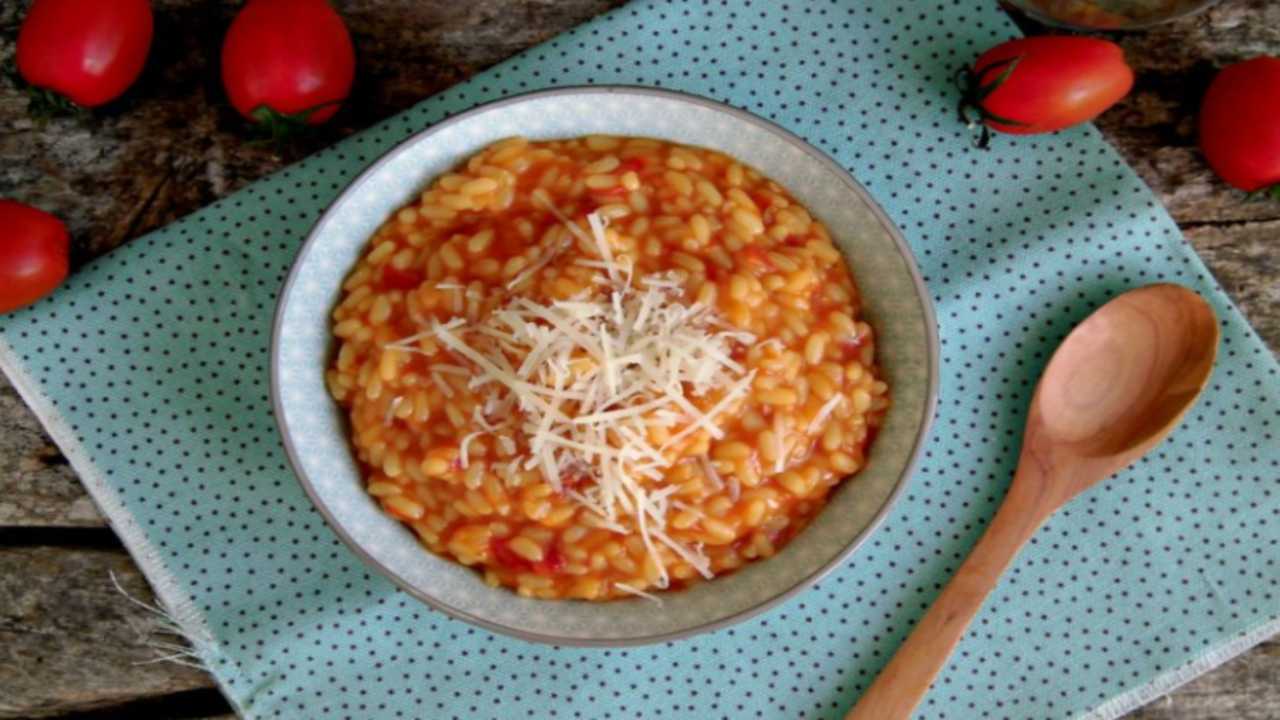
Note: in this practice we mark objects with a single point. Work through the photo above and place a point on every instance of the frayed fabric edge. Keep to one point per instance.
(1171, 680)
(176, 613)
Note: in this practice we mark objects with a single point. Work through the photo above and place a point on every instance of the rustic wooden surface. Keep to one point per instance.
(70, 644)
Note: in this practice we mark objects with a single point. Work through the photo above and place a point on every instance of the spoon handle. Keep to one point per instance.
(904, 681)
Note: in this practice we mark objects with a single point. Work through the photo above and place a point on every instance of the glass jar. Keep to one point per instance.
(1108, 14)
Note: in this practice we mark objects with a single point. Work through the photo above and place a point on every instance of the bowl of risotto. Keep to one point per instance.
(604, 366)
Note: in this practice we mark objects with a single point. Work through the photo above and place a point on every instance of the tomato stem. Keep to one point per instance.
(974, 91)
(278, 127)
(1272, 192)
(43, 104)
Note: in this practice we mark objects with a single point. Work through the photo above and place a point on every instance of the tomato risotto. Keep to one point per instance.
(605, 366)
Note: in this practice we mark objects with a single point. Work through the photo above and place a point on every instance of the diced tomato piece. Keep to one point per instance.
(469, 223)
(416, 363)
(606, 196)
(507, 557)
(758, 256)
(394, 279)
(794, 241)
(551, 564)
(632, 164)
(851, 347)
(573, 476)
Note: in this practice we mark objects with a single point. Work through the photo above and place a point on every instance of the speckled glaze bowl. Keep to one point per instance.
(315, 431)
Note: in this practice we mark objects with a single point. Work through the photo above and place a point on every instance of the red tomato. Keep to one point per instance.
(1041, 84)
(1240, 124)
(34, 250)
(89, 51)
(288, 59)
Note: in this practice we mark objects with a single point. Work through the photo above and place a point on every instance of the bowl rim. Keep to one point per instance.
(357, 183)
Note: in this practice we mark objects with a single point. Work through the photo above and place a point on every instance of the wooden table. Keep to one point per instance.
(69, 645)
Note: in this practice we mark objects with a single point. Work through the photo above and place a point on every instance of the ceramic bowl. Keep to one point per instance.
(315, 431)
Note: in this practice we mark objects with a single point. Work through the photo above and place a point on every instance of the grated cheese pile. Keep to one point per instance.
(591, 383)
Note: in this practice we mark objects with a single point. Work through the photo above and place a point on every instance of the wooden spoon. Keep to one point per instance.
(1115, 388)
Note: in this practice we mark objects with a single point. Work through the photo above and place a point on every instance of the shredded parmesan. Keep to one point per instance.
(464, 446)
(441, 383)
(391, 409)
(824, 412)
(780, 432)
(450, 369)
(638, 593)
(507, 444)
(538, 265)
(407, 343)
(613, 383)
(598, 225)
(709, 470)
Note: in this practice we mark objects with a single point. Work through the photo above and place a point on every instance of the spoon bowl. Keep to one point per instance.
(1125, 376)
(1117, 385)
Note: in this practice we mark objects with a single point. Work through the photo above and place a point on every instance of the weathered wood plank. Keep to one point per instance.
(1245, 259)
(1247, 688)
(1155, 127)
(37, 487)
(172, 145)
(69, 641)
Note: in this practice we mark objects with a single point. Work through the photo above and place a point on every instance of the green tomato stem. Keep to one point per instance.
(974, 91)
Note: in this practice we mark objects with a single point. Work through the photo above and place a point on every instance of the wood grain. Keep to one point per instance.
(1243, 689)
(1115, 388)
(903, 682)
(1245, 259)
(69, 641)
(1154, 128)
(171, 147)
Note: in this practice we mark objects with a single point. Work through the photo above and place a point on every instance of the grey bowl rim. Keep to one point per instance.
(904, 250)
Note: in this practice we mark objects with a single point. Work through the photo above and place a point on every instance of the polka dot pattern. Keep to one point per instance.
(155, 358)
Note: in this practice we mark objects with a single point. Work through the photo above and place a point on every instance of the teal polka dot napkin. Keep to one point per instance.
(150, 370)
